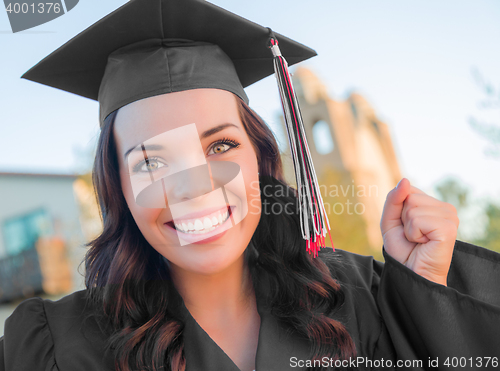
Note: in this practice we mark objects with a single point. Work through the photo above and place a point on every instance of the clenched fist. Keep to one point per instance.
(419, 231)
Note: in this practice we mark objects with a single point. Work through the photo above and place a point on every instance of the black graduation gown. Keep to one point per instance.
(391, 313)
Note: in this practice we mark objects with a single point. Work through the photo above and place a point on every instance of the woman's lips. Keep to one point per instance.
(200, 221)
(202, 238)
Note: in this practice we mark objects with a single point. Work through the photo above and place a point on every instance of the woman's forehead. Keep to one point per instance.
(146, 118)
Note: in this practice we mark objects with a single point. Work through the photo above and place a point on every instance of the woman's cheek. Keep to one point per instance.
(255, 206)
(143, 216)
(146, 219)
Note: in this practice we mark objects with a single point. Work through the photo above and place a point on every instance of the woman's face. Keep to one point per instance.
(166, 122)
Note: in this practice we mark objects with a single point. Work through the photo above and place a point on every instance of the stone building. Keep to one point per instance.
(348, 139)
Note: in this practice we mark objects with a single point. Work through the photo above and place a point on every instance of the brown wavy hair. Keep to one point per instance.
(129, 285)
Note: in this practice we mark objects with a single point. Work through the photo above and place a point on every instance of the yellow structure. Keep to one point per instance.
(347, 140)
(55, 265)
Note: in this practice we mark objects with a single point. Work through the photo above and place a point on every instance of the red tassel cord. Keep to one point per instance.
(313, 221)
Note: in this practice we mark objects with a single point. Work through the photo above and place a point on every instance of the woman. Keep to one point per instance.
(194, 270)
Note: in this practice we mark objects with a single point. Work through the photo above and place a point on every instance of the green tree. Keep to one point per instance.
(348, 231)
(490, 131)
(491, 239)
(452, 191)
(490, 100)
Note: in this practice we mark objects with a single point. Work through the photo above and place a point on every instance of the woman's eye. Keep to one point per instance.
(151, 164)
(220, 148)
(223, 146)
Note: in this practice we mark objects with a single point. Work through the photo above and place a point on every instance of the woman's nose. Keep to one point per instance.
(188, 184)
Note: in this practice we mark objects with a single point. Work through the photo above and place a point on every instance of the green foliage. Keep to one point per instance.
(491, 240)
(490, 100)
(452, 191)
(348, 231)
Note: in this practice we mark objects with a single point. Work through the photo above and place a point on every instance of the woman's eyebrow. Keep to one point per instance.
(205, 134)
(216, 129)
(150, 147)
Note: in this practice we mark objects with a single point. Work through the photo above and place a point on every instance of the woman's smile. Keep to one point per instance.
(199, 224)
(212, 226)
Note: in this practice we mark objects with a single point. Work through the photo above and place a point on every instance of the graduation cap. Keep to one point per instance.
(152, 47)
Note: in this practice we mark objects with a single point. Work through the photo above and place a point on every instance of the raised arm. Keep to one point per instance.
(454, 326)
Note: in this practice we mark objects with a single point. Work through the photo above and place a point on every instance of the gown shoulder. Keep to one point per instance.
(421, 320)
(27, 341)
(47, 335)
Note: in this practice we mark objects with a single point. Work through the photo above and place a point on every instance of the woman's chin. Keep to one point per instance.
(211, 262)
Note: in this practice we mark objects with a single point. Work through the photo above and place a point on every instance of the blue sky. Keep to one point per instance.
(411, 60)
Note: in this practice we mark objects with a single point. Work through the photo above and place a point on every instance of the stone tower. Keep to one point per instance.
(348, 139)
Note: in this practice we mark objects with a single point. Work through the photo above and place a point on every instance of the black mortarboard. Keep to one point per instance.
(152, 47)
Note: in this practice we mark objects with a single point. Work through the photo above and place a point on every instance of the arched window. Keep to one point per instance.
(354, 111)
(322, 137)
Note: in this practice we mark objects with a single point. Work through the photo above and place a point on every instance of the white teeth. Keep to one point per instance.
(198, 225)
(207, 223)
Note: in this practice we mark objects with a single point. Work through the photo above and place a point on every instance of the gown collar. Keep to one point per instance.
(277, 343)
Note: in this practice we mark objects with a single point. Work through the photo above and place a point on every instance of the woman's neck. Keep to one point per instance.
(224, 305)
(226, 294)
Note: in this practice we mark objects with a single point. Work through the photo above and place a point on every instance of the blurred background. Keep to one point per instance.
(397, 90)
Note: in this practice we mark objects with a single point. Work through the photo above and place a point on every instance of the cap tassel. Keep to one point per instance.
(313, 221)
